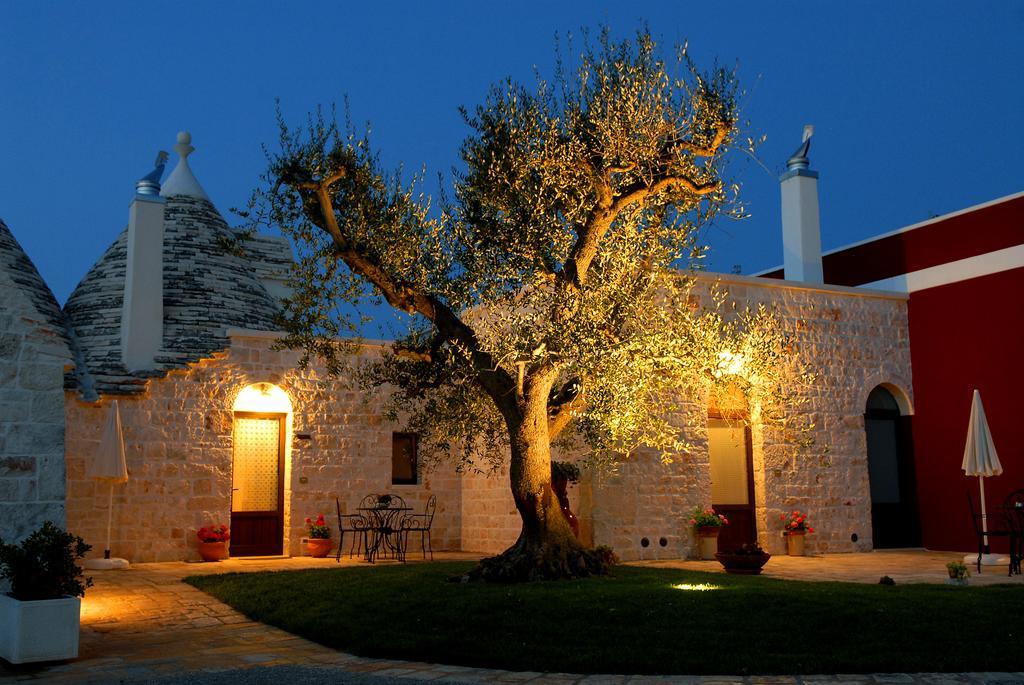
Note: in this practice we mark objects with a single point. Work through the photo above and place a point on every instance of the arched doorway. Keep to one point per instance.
(257, 470)
(890, 445)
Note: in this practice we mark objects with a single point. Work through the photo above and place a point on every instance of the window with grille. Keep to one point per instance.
(404, 455)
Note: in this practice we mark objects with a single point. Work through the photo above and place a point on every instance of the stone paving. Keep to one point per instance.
(143, 623)
(918, 566)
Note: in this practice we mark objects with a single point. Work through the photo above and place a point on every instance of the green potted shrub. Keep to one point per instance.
(747, 559)
(958, 573)
(39, 617)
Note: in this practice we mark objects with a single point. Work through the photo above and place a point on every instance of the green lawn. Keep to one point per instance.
(638, 621)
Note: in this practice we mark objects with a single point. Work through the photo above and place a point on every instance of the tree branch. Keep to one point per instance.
(722, 129)
(562, 417)
(561, 403)
(583, 252)
(494, 381)
(574, 271)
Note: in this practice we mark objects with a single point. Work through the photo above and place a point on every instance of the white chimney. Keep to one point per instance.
(142, 314)
(801, 226)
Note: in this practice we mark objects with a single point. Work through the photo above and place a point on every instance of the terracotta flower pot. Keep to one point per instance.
(795, 543)
(213, 551)
(707, 541)
(318, 547)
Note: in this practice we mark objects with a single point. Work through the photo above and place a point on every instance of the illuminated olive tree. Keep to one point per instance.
(545, 292)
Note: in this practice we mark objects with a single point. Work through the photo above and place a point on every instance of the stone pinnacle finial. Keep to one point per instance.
(184, 146)
(182, 181)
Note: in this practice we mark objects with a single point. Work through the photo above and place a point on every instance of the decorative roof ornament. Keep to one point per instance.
(150, 183)
(182, 181)
(799, 159)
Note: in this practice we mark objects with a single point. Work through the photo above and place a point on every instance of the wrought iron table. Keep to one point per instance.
(385, 525)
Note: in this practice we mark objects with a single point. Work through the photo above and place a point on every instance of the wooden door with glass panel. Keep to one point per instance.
(257, 494)
(732, 481)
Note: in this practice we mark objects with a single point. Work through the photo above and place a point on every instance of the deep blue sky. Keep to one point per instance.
(917, 106)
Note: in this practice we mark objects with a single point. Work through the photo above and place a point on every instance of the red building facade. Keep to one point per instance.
(964, 273)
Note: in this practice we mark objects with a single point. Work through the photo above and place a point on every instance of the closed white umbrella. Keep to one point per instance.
(108, 466)
(981, 460)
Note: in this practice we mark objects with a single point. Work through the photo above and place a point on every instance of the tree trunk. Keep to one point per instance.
(546, 549)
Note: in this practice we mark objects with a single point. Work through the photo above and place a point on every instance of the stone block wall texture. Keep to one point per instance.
(179, 442)
(852, 341)
(33, 358)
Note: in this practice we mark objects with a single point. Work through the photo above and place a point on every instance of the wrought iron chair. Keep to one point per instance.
(1014, 508)
(358, 526)
(980, 533)
(421, 523)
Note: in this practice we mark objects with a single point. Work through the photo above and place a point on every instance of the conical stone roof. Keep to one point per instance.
(207, 290)
(25, 281)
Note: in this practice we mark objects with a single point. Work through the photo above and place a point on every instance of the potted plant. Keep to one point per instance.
(708, 523)
(318, 543)
(39, 617)
(213, 542)
(563, 473)
(958, 573)
(796, 528)
(745, 560)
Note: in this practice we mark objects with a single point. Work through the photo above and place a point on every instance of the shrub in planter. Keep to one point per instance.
(746, 560)
(39, 617)
(958, 573)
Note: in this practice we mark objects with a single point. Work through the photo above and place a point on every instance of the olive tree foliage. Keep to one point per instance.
(545, 291)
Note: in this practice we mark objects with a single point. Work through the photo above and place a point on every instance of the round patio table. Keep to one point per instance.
(384, 524)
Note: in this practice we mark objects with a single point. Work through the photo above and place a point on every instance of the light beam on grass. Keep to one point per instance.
(696, 587)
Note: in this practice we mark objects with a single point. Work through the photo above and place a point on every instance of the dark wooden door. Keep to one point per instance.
(732, 481)
(257, 496)
(894, 518)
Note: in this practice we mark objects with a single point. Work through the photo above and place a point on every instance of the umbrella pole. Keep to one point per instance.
(110, 515)
(984, 516)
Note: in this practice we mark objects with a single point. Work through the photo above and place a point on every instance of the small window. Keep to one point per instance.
(404, 448)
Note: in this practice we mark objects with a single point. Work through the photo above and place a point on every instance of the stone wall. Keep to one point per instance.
(33, 358)
(179, 437)
(490, 522)
(178, 440)
(852, 340)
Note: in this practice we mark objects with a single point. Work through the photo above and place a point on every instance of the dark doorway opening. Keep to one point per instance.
(890, 445)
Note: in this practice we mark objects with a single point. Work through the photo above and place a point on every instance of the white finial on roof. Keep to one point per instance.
(182, 181)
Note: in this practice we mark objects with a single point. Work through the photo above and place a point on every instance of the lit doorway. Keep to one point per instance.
(261, 423)
(732, 481)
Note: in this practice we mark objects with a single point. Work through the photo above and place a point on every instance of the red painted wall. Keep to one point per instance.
(964, 336)
(970, 234)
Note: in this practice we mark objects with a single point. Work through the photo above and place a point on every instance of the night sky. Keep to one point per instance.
(917, 106)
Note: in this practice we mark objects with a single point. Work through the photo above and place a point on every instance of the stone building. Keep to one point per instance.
(179, 327)
(34, 354)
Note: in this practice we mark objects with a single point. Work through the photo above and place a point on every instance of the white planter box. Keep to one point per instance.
(41, 630)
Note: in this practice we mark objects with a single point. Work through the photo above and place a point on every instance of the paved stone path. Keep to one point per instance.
(143, 624)
(902, 566)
